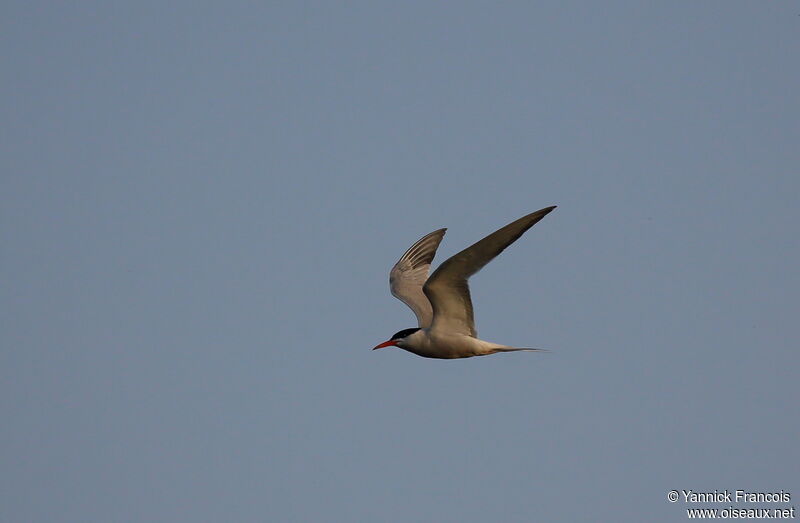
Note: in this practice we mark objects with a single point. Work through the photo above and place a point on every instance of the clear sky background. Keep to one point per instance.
(201, 202)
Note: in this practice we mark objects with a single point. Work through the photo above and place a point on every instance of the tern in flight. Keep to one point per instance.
(442, 303)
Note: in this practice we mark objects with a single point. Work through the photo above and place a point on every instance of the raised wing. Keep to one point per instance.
(447, 288)
(410, 272)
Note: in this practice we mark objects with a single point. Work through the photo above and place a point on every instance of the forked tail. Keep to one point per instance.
(515, 349)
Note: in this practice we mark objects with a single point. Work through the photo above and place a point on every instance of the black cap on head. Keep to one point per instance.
(405, 332)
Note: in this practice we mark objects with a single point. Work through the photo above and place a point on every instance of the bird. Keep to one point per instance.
(442, 302)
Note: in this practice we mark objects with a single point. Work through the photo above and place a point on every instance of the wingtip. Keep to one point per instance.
(541, 213)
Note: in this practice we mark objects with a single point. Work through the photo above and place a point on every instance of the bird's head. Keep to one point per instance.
(398, 339)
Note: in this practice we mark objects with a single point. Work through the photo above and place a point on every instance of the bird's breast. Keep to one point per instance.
(432, 344)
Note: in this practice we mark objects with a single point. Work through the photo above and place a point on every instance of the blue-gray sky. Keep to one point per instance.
(201, 202)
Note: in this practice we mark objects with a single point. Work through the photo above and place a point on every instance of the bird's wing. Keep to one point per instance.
(447, 288)
(410, 272)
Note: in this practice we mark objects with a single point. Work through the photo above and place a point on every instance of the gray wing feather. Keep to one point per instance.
(447, 288)
(410, 272)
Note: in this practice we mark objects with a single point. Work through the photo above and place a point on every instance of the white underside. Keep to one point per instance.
(431, 343)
